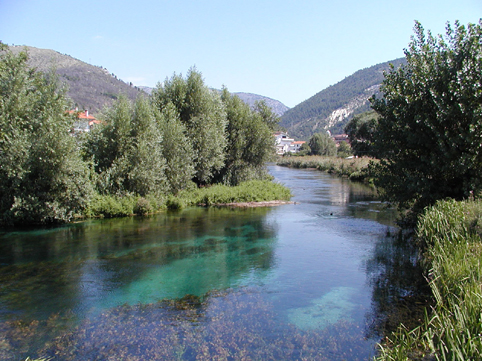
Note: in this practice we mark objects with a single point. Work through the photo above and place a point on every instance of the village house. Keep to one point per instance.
(340, 138)
(84, 122)
(282, 142)
(285, 144)
(296, 145)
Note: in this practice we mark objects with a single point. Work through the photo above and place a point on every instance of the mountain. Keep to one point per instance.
(90, 87)
(333, 107)
(276, 106)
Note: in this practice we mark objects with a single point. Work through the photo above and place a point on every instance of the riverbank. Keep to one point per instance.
(354, 168)
(450, 235)
(253, 193)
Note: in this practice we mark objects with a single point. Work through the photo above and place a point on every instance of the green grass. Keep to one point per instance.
(354, 168)
(109, 206)
(250, 191)
(450, 234)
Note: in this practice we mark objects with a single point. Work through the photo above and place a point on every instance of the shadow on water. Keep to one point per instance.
(400, 292)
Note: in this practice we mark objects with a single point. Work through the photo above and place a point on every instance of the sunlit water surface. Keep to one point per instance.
(286, 282)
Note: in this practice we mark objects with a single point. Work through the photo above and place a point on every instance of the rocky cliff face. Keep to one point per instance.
(341, 115)
(333, 107)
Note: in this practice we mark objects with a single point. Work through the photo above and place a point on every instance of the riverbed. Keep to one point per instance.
(296, 281)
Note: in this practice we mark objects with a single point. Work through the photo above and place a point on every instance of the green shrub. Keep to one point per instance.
(111, 206)
(142, 206)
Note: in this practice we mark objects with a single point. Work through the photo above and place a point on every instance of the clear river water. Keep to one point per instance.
(293, 282)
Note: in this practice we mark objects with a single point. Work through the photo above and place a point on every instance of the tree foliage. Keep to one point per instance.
(322, 144)
(177, 150)
(249, 140)
(360, 130)
(127, 150)
(201, 111)
(184, 134)
(429, 135)
(42, 177)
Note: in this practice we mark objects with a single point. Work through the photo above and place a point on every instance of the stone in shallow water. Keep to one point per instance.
(334, 306)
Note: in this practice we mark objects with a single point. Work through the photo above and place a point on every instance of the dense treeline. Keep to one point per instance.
(300, 120)
(182, 137)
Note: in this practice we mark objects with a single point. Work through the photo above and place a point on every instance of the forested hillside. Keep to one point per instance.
(90, 87)
(334, 106)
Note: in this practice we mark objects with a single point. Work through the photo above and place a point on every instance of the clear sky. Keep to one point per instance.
(287, 50)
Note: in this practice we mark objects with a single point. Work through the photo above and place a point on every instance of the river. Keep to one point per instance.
(297, 281)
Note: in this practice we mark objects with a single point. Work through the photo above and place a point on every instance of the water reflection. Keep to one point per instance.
(99, 264)
(281, 283)
(400, 293)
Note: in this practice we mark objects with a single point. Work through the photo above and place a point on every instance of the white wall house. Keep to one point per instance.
(285, 144)
(296, 145)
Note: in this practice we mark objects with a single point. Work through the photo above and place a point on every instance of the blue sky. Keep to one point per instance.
(287, 50)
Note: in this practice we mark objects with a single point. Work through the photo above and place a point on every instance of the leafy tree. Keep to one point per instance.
(343, 150)
(322, 144)
(269, 118)
(127, 150)
(360, 130)
(177, 150)
(305, 149)
(146, 158)
(42, 177)
(249, 140)
(429, 134)
(201, 111)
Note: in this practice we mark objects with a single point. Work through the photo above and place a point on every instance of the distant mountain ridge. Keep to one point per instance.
(90, 87)
(276, 106)
(249, 98)
(333, 107)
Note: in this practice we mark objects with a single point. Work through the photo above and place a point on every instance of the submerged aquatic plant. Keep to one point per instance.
(222, 325)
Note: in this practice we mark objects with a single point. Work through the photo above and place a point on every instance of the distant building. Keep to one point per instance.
(285, 144)
(84, 122)
(282, 142)
(296, 145)
(339, 138)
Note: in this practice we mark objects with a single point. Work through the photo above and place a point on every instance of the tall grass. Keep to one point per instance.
(354, 168)
(450, 233)
(109, 206)
(250, 191)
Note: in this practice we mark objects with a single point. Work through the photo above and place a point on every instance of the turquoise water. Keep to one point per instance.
(268, 283)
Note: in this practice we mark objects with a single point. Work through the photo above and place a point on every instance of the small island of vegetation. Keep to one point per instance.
(185, 145)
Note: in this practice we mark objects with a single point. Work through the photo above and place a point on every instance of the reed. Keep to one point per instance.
(353, 168)
(250, 191)
(450, 234)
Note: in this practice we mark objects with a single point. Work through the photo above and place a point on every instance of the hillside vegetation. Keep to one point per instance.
(334, 106)
(90, 87)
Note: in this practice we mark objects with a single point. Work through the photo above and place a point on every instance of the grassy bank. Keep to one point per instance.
(251, 191)
(354, 169)
(450, 232)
